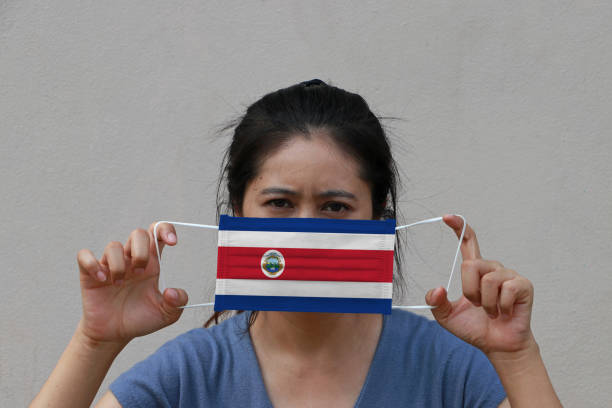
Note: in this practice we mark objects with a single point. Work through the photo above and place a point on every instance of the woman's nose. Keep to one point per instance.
(306, 212)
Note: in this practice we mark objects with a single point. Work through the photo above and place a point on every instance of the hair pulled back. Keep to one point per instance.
(302, 110)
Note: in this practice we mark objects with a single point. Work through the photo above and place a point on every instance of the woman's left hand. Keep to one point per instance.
(494, 312)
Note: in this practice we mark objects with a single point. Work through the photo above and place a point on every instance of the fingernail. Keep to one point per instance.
(491, 316)
(172, 294)
(101, 276)
(171, 237)
(138, 271)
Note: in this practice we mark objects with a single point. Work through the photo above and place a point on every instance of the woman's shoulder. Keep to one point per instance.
(219, 344)
(226, 334)
(190, 366)
(412, 326)
(418, 362)
(415, 333)
(212, 348)
(425, 362)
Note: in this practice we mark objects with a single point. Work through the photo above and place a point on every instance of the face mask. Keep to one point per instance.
(306, 264)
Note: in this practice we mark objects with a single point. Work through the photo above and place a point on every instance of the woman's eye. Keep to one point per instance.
(279, 203)
(335, 207)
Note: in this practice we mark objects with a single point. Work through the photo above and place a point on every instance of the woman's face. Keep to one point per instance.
(308, 178)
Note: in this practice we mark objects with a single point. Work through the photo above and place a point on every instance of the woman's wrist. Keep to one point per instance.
(524, 376)
(90, 345)
(517, 360)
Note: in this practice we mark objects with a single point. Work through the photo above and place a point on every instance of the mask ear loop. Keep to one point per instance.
(450, 279)
(162, 281)
(215, 227)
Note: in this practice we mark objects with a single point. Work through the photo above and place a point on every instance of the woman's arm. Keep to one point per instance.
(78, 374)
(108, 401)
(121, 300)
(494, 314)
(525, 378)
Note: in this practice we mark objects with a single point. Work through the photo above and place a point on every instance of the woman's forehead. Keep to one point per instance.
(309, 162)
(314, 155)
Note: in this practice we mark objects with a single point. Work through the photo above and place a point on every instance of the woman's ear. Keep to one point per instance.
(236, 210)
(377, 215)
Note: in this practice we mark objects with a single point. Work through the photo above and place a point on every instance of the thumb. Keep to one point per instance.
(442, 306)
(172, 299)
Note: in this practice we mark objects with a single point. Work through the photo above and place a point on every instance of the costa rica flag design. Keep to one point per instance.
(305, 265)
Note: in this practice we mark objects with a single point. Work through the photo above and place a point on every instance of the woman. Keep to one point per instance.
(310, 150)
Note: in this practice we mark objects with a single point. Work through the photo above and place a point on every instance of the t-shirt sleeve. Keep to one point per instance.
(469, 368)
(153, 382)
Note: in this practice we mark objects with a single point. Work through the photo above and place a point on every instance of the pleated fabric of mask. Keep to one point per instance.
(305, 265)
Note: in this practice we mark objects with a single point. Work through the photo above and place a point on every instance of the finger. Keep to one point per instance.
(166, 235)
(490, 288)
(137, 249)
(514, 291)
(443, 307)
(470, 281)
(469, 245)
(113, 258)
(172, 298)
(89, 266)
(472, 270)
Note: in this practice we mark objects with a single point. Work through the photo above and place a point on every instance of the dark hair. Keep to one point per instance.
(303, 109)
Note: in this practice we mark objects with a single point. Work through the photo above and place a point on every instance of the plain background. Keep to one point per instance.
(108, 120)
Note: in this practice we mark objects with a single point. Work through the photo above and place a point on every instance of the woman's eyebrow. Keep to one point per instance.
(278, 190)
(337, 193)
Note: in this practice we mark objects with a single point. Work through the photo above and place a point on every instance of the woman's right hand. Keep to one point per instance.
(120, 294)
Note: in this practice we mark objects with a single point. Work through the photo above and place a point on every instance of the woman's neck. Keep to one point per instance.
(316, 337)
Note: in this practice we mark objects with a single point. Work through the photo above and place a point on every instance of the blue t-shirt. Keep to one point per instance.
(417, 363)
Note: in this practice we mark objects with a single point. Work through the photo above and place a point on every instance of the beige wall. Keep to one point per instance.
(107, 120)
